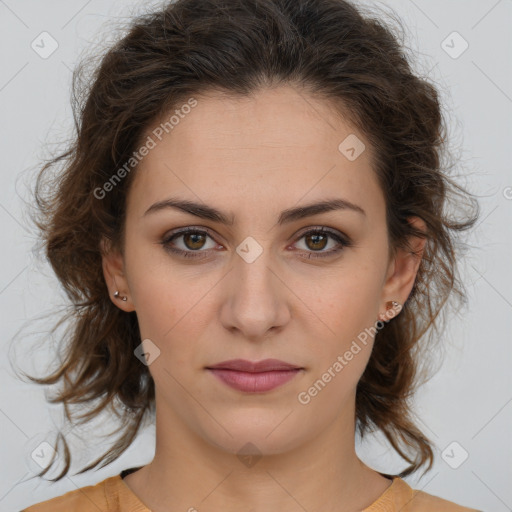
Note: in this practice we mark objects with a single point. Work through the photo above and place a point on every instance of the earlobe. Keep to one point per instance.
(392, 309)
(118, 296)
(115, 279)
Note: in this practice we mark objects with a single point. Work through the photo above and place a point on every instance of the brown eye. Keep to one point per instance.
(194, 241)
(318, 241)
(189, 243)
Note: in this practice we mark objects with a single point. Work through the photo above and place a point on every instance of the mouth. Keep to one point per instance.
(243, 365)
(254, 377)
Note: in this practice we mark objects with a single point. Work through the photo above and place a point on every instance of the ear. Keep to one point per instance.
(403, 268)
(115, 278)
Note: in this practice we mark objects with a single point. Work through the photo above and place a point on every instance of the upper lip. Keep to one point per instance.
(265, 365)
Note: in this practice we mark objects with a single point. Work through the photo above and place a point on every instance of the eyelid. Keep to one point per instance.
(183, 231)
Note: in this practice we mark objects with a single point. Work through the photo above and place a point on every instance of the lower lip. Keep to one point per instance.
(254, 382)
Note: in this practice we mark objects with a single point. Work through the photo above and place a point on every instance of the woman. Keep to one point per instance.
(251, 225)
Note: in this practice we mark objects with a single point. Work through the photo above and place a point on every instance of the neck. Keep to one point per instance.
(188, 473)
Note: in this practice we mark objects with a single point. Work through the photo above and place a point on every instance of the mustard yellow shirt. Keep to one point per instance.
(114, 495)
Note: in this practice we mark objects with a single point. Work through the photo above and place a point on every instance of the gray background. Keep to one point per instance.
(468, 402)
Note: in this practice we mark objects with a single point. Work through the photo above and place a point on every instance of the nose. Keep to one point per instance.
(257, 298)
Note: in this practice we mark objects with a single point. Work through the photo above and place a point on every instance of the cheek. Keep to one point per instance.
(156, 288)
(345, 316)
(171, 306)
(166, 313)
(347, 299)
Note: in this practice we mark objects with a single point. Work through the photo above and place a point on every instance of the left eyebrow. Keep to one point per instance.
(204, 211)
(300, 212)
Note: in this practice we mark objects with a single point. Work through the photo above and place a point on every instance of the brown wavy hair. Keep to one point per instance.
(328, 48)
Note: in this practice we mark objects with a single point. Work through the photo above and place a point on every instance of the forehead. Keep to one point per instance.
(277, 145)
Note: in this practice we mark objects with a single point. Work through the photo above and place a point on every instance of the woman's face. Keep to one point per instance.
(261, 285)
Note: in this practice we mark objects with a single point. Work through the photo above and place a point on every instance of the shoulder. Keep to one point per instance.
(424, 502)
(93, 497)
(411, 500)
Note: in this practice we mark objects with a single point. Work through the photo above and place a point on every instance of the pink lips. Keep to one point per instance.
(254, 376)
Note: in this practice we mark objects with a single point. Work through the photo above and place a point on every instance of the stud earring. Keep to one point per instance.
(117, 296)
(391, 304)
(122, 297)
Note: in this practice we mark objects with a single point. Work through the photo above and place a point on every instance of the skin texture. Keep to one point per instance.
(253, 158)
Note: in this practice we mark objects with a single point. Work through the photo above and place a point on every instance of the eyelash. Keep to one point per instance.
(341, 239)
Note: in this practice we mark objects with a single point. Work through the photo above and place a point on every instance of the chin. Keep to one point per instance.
(255, 435)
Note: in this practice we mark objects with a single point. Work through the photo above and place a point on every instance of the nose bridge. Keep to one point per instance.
(256, 302)
(253, 270)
